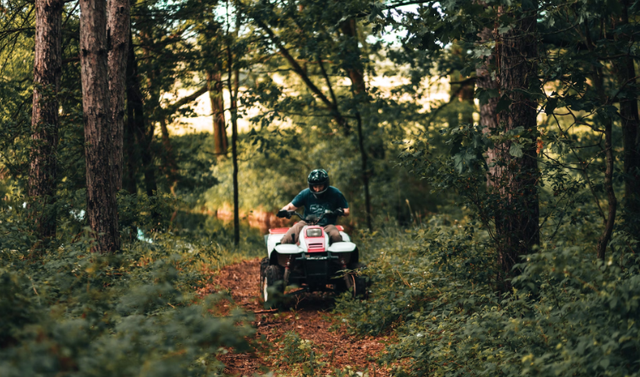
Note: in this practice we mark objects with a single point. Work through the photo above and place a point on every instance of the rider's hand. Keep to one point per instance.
(283, 213)
(339, 212)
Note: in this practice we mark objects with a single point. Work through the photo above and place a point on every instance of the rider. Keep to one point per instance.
(316, 199)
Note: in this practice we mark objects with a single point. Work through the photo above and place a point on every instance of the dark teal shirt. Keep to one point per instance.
(332, 199)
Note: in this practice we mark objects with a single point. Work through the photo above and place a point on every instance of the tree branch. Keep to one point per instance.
(185, 100)
(326, 77)
(333, 107)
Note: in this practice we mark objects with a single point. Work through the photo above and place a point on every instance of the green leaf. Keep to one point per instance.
(551, 106)
(516, 150)
(503, 104)
(485, 94)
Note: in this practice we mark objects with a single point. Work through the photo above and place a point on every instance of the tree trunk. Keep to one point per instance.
(519, 229)
(170, 161)
(608, 188)
(131, 155)
(137, 124)
(129, 180)
(44, 121)
(511, 177)
(625, 74)
(233, 95)
(488, 114)
(102, 210)
(612, 202)
(356, 74)
(118, 40)
(214, 82)
(518, 52)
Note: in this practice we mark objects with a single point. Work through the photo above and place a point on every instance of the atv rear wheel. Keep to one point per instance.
(271, 284)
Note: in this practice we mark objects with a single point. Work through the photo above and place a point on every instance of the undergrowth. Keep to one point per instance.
(66, 311)
(567, 315)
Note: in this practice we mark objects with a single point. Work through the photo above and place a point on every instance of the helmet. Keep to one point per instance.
(318, 177)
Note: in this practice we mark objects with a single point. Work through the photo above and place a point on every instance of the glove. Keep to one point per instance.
(339, 212)
(283, 213)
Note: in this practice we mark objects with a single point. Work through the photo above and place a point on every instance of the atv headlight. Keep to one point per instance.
(315, 232)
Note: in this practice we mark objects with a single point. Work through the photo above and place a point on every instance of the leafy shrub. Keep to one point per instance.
(570, 315)
(68, 311)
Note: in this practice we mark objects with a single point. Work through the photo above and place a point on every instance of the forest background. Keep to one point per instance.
(500, 224)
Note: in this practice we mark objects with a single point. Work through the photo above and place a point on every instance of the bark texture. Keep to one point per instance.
(44, 121)
(118, 41)
(214, 82)
(102, 211)
(511, 178)
(626, 78)
(488, 115)
(519, 229)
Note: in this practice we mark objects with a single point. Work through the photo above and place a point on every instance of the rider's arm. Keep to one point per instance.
(346, 212)
(289, 207)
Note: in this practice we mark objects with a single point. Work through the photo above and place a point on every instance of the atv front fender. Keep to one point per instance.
(288, 249)
(342, 247)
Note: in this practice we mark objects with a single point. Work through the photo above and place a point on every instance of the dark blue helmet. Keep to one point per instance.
(318, 177)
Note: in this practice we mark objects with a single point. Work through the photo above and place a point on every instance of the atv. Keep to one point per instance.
(311, 264)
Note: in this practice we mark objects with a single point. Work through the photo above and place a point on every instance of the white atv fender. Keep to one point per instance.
(342, 247)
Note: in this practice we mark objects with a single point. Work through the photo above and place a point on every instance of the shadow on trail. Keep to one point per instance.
(299, 300)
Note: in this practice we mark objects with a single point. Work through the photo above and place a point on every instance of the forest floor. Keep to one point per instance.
(319, 333)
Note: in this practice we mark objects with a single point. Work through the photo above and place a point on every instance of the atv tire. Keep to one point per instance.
(353, 282)
(271, 284)
(357, 285)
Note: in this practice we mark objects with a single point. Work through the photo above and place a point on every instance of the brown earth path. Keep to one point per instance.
(309, 315)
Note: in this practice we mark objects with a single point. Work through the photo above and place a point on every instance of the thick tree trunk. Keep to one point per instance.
(512, 178)
(519, 228)
(488, 115)
(626, 77)
(518, 53)
(44, 121)
(118, 41)
(214, 82)
(137, 124)
(631, 156)
(102, 209)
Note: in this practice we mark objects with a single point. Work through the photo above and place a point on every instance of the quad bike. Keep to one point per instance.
(311, 263)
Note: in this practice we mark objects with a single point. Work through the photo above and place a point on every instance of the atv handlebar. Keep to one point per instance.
(312, 219)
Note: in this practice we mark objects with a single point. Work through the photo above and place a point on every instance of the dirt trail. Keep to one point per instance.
(309, 316)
